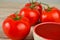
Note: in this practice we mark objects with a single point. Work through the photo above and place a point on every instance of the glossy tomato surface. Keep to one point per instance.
(38, 6)
(31, 14)
(50, 16)
(16, 29)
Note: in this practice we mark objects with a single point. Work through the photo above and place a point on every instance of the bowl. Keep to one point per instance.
(47, 31)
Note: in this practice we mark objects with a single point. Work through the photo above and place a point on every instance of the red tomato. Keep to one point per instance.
(16, 28)
(38, 6)
(52, 15)
(31, 14)
(28, 4)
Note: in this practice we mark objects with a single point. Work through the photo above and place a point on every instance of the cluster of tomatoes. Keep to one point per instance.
(17, 26)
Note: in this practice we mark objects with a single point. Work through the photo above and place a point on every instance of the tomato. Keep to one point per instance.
(28, 4)
(31, 14)
(16, 27)
(52, 15)
(38, 6)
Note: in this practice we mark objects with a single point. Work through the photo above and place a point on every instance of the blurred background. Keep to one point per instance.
(8, 7)
(16, 3)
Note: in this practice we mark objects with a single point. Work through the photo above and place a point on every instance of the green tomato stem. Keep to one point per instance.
(32, 6)
(45, 4)
(49, 8)
(17, 17)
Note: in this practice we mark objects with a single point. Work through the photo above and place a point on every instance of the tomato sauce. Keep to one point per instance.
(49, 31)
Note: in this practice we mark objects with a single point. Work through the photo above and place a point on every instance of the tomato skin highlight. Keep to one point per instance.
(31, 14)
(50, 16)
(16, 29)
(38, 6)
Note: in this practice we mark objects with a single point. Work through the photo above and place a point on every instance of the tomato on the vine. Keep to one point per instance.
(16, 27)
(31, 13)
(37, 5)
(50, 15)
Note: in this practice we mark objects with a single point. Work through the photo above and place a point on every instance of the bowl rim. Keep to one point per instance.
(43, 24)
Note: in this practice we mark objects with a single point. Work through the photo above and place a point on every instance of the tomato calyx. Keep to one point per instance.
(32, 4)
(48, 9)
(17, 17)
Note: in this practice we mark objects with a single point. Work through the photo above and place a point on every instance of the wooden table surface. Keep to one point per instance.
(7, 9)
